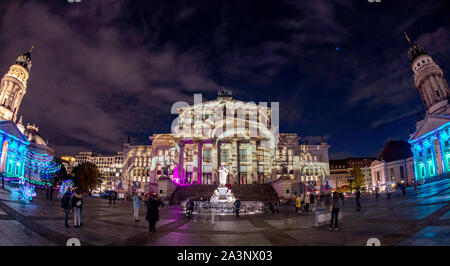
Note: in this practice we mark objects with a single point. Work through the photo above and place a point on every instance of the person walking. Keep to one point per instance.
(136, 206)
(312, 201)
(388, 193)
(298, 204)
(77, 202)
(358, 200)
(376, 192)
(51, 191)
(334, 211)
(110, 198)
(237, 206)
(189, 207)
(307, 202)
(114, 196)
(403, 190)
(152, 212)
(66, 205)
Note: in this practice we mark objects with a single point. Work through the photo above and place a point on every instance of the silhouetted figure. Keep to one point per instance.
(358, 200)
(334, 211)
(152, 212)
(237, 207)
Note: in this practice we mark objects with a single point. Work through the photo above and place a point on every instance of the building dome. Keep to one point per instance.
(25, 60)
(31, 132)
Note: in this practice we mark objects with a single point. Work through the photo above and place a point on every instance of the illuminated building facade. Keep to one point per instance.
(241, 136)
(430, 142)
(340, 171)
(110, 167)
(24, 152)
(395, 165)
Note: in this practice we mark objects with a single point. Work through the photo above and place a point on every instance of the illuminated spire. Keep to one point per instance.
(407, 38)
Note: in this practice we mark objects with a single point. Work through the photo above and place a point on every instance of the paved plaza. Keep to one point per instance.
(417, 220)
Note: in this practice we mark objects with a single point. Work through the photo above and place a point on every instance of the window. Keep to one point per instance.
(402, 174)
(207, 156)
(225, 155)
(437, 93)
(189, 156)
(243, 155)
(260, 155)
(391, 172)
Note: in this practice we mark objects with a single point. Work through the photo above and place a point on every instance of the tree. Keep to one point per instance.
(358, 178)
(86, 176)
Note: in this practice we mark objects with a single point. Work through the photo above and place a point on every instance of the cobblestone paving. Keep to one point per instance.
(422, 219)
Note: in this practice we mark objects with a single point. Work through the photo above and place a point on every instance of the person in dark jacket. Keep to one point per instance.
(358, 200)
(334, 211)
(237, 206)
(152, 212)
(110, 198)
(66, 205)
(190, 207)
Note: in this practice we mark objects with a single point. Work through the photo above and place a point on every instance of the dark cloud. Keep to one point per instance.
(105, 69)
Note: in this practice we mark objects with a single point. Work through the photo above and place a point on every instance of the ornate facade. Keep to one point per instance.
(24, 152)
(241, 136)
(430, 142)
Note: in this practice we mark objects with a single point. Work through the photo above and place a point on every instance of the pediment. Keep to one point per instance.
(430, 123)
(10, 128)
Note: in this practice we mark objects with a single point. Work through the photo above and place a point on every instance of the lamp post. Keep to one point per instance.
(350, 180)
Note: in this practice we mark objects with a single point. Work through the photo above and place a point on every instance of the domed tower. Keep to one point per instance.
(429, 79)
(13, 87)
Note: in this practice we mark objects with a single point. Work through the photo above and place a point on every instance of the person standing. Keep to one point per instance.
(376, 192)
(358, 200)
(110, 198)
(190, 207)
(77, 202)
(114, 197)
(403, 190)
(341, 194)
(312, 201)
(51, 191)
(136, 206)
(237, 206)
(152, 212)
(334, 211)
(388, 193)
(298, 204)
(66, 205)
(307, 202)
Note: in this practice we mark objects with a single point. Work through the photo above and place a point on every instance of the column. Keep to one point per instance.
(215, 161)
(195, 163)
(199, 165)
(424, 161)
(238, 162)
(443, 155)
(181, 163)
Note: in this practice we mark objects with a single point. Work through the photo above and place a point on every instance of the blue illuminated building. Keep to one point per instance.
(430, 141)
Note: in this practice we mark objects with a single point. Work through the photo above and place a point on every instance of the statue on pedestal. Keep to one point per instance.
(223, 174)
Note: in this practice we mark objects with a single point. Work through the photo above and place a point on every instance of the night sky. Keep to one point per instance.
(106, 69)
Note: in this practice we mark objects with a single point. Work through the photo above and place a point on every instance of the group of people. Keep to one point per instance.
(152, 203)
(310, 201)
(72, 201)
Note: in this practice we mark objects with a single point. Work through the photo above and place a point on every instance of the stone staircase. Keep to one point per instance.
(254, 192)
(250, 192)
(194, 191)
